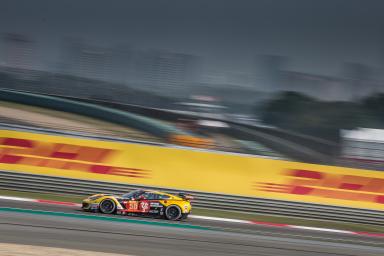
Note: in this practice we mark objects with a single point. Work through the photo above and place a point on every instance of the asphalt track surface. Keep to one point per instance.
(146, 236)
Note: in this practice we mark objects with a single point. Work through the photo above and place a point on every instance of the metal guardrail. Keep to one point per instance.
(40, 183)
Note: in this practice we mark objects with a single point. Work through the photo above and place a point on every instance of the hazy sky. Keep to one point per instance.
(319, 35)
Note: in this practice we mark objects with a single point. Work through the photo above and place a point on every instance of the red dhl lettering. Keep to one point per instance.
(63, 156)
(12, 146)
(321, 184)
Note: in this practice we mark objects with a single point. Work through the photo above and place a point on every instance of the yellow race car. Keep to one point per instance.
(141, 202)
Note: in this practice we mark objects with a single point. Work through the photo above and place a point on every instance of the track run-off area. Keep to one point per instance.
(66, 226)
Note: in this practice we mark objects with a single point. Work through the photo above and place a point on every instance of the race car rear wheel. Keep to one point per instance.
(173, 212)
(107, 206)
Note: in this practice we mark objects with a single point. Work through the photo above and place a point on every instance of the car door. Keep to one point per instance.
(152, 201)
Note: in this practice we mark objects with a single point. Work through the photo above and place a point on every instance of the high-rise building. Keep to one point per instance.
(358, 78)
(167, 73)
(18, 52)
(86, 61)
(93, 63)
(269, 73)
(120, 64)
(317, 86)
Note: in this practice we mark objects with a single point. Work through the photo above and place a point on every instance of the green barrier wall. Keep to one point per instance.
(142, 123)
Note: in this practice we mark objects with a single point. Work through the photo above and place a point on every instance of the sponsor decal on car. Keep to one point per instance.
(144, 206)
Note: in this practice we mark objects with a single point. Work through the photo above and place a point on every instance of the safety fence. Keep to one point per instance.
(60, 185)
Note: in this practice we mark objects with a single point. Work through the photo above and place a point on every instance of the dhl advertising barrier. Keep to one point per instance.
(190, 170)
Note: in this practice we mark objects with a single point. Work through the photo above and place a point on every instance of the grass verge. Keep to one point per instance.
(222, 214)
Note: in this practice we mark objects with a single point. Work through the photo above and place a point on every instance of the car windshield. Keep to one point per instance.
(133, 194)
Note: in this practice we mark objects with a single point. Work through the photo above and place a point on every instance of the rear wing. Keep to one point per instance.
(185, 196)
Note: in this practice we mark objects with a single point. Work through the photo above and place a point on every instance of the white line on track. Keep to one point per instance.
(322, 229)
(13, 198)
(219, 219)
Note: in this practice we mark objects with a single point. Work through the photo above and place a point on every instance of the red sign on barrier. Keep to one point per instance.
(322, 184)
(63, 156)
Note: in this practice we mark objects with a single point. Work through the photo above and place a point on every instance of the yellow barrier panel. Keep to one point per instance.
(190, 170)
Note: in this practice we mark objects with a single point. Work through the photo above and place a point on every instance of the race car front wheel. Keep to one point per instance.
(173, 212)
(107, 206)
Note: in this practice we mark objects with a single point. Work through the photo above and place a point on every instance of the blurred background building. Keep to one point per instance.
(19, 55)
(363, 146)
(167, 73)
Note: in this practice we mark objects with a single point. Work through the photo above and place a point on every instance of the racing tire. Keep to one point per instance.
(173, 212)
(107, 206)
